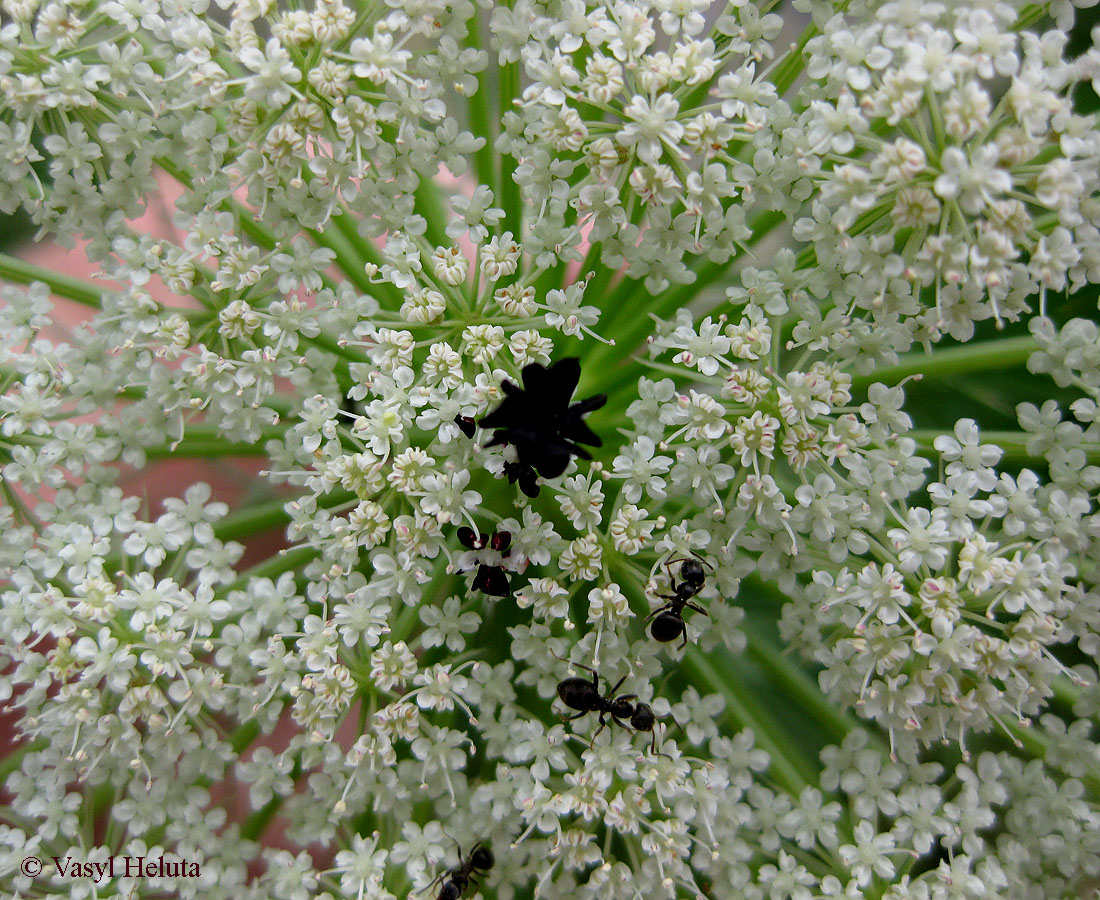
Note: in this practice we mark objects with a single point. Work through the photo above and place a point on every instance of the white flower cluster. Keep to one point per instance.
(952, 140)
(946, 623)
(296, 106)
(381, 241)
(952, 627)
(618, 138)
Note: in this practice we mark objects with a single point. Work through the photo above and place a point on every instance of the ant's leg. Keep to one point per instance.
(653, 747)
(699, 557)
(583, 666)
(611, 693)
(684, 642)
(667, 566)
(577, 664)
(583, 712)
(603, 725)
(627, 697)
(697, 609)
(458, 846)
(437, 880)
(659, 609)
(595, 676)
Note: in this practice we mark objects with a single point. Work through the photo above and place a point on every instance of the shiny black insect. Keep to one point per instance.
(515, 471)
(585, 697)
(668, 620)
(487, 553)
(525, 475)
(466, 425)
(455, 880)
(541, 423)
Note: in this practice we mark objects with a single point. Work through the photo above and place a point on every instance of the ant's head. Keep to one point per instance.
(693, 573)
(667, 627)
(481, 857)
(643, 718)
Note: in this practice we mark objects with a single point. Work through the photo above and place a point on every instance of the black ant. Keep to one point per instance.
(584, 695)
(668, 620)
(455, 880)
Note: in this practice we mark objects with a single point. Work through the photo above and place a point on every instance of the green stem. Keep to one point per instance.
(332, 346)
(255, 519)
(975, 357)
(430, 205)
(243, 735)
(480, 124)
(507, 193)
(22, 272)
(347, 255)
(267, 516)
(1029, 15)
(201, 447)
(1066, 692)
(799, 685)
(640, 325)
(274, 566)
(785, 74)
(368, 253)
(792, 773)
(1013, 443)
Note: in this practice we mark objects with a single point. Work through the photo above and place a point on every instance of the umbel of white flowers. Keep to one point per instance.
(384, 246)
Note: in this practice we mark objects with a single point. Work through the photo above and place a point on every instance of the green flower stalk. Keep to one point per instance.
(799, 600)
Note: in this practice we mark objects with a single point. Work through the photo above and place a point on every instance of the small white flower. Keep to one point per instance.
(275, 73)
(450, 265)
(392, 665)
(446, 625)
(362, 868)
(474, 214)
(973, 182)
(608, 606)
(376, 58)
(868, 856)
(651, 126)
(753, 435)
(500, 257)
(701, 348)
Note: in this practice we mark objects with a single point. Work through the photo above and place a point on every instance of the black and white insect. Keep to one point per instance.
(453, 882)
(585, 697)
(668, 620)
(488, 553)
